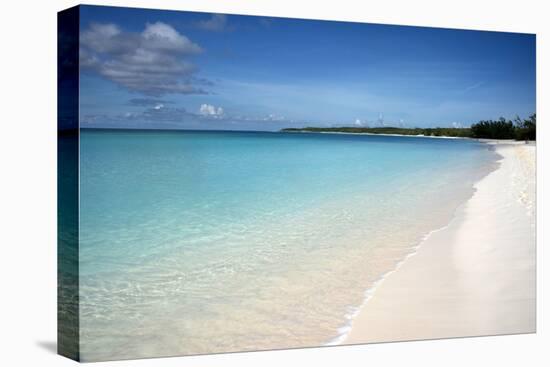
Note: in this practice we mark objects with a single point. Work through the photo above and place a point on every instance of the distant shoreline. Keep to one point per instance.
(378, 134)
(481, 140)
(361, 131)
(436, 132)
(501, 129)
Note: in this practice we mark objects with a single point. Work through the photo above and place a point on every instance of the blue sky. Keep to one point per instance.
(163, 69)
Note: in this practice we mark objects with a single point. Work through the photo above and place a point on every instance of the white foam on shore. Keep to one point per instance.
(343, 331)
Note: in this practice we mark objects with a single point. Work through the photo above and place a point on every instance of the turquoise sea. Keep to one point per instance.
(205, 241)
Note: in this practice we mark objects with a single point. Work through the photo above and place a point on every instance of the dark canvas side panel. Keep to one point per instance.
(67, 183)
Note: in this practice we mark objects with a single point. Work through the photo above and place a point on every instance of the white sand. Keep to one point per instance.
(474, 277)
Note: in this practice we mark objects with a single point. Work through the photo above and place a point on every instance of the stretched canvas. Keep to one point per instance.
(239, 183)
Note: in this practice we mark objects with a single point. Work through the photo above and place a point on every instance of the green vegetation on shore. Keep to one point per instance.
(487, 129)
(454, 132)
(506, 129)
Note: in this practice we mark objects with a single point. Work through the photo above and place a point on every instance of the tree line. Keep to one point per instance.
(432, 131)
(518, 129)
(486, 129)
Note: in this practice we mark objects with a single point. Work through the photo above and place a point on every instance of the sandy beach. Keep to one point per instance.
(474, 277)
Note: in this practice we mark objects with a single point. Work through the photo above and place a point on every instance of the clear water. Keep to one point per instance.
(204, 242)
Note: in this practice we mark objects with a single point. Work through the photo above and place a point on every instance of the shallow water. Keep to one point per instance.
(204, 242)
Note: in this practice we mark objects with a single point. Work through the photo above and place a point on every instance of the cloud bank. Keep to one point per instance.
(154, 62)
(161, 113)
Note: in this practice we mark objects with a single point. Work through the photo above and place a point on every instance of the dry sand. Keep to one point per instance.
(474, 277)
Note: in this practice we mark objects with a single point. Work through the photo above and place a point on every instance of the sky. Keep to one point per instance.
(142, 68)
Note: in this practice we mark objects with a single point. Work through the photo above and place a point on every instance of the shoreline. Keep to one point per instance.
(438, 291)
(345, 330)
(380, 134)
(481, 140)
(401, 135)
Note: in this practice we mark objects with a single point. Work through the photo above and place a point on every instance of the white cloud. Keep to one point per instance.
(473, 86)
(152, 62)
(161, 36)
(274, 117)
(210, 110)
(457, 125)
(102, 38)
(216, 23)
